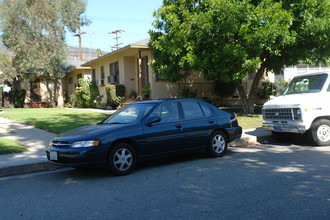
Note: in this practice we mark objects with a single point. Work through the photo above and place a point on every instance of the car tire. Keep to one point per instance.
(218, 144)
(320, 132)
(122, 159)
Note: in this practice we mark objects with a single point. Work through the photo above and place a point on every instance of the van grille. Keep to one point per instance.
(279, 114)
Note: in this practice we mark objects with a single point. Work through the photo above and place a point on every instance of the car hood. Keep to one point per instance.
(94, 131)
(292, 101)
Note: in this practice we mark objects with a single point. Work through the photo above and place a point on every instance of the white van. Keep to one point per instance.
(304, 107)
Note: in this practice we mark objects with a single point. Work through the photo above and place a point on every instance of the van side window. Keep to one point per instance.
(328, 90)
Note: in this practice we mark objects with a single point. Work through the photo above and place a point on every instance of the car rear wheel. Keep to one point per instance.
(122, 159)
(217, 144)
(320, 132)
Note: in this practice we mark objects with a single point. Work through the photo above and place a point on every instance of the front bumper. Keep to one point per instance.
(292, 128)
(78, 157)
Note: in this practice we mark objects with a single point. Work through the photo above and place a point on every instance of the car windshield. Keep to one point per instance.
(306, 84)
(129, 114)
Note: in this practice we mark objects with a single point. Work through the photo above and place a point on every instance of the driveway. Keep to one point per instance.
(256, 182)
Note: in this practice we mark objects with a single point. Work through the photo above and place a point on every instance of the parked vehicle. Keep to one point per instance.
(146, 129)
(304, 107)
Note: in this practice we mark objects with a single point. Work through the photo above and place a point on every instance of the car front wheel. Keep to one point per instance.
(122, 159)
(217, 144)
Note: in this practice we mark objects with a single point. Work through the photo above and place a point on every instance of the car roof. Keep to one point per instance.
(158, 101)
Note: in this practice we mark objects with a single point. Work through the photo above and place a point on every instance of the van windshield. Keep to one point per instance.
(306, 84)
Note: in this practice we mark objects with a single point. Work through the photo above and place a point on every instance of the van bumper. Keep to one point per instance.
(284, 128)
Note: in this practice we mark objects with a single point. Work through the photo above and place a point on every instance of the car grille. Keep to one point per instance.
(60, 143)
(279, 114)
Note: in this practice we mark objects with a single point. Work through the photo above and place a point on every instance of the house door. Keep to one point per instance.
(35, 94)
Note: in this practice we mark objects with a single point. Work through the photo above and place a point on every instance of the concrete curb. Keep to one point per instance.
(27, 168)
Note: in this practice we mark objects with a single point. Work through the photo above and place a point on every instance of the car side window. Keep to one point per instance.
(206, 109)
(328, 88)
(191, 109)
(167, 112)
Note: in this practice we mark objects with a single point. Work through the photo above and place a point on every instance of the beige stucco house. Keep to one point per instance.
(129, 66)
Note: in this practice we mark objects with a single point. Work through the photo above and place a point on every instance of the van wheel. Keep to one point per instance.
(122, 159)
(320, 132)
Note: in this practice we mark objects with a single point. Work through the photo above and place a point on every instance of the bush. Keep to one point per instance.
(18, 97)
(186, 92)
(120, 90)
(268, 89)
(224, 89)
(87, 94)
(115, 94)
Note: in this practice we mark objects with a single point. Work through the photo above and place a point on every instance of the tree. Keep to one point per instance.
(99, 52)
(35, 31)
(227, 39)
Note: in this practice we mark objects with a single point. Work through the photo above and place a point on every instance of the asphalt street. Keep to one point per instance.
(255, 182)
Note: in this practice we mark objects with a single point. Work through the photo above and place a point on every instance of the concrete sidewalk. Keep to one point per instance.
(36, 141)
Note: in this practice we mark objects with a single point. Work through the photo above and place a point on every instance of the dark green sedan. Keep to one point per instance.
(146, 129)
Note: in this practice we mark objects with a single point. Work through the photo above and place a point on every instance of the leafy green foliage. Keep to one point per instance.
(35, 31)
(18, 97)
(87, 93)
(115, 95)
(187, 92)
(224, 89)
(226, 40)
(268, 89)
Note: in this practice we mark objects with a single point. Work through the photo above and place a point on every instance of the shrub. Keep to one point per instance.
(224, 89)
(115, 94)
(87, 94)
(18, 97)
(186, 92)
(268, 89)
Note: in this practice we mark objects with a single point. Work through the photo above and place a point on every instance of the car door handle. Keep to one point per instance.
(211, 121)
(179, 127)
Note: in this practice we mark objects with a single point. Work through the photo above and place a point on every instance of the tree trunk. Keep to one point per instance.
(60, 100)
(248, 100)
(243, 97)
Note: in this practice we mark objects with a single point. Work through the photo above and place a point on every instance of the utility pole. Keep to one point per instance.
(116, 32)
(79, 36)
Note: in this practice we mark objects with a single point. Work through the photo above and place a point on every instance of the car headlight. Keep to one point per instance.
(79, 144)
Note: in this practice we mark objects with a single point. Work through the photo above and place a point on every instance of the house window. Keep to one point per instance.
(114, 72)
(93, 75)
(102, 75)
(70, 80)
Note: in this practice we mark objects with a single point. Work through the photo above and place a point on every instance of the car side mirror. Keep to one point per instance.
(152, 120)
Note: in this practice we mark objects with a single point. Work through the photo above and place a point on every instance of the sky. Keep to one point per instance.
(133, 17)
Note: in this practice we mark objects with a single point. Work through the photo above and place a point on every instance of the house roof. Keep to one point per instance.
(143, 44)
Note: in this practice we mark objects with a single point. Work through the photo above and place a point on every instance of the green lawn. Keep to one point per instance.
(9, 147)
(53, 119)
(253, 121)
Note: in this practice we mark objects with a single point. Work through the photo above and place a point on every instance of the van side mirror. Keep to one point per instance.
(152, 120)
